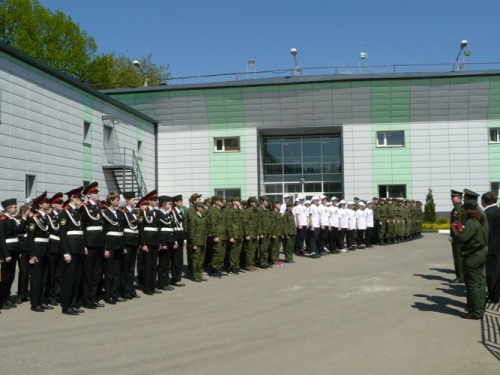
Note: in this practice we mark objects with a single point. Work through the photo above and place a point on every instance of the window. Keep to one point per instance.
(226, 193)
(392, 191)
(227, 144)
(86, 133)
(495, 187)
(495, 135)
(30, 186)
(391, 139)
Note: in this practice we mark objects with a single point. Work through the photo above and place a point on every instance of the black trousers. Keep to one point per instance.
(323, 238)
(92, 274)
(164, 257)
(23, 278)
(333, 236)
(369, 235)
(112, 273)
(39, 273)
(176, 261)
(72, 282)
(301, 237)
(128, 271)
(493, 277)
(360, 237)
(55, 276)
(313, 239)
(140, 267)
(350, 238)
(9, 274)
(150, 259)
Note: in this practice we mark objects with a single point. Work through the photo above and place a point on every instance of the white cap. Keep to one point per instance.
(328, 204)
(334, 199)
(342, 202)
(322, 196)
(308, 202)
(361, 204)
(369, 202)
(296, 199)
(301, 197)
(287, 196)
(315, 198)
(350, 202)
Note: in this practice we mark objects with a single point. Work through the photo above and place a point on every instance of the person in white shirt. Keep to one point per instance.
(333, 230)
(351, 214)
(344, 225)
(314, 227)
(361, 225)
(324, 218)
(370, 224)
(300, 212)
(286, 199)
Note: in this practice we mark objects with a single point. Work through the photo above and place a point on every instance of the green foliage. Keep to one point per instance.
(429, 208)
(53, 38)
(443, 220)
(435, 226)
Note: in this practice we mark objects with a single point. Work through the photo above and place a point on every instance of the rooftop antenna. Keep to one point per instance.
(296, 71)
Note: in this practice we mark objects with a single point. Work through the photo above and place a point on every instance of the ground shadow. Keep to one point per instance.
(439, 304)
(431, 277)
(490, 329)
(457, 290)
(442, 270)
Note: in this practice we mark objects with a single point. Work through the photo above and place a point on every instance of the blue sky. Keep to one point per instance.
(197, 37)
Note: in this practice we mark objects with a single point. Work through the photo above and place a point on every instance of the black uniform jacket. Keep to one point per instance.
(71, 231)
(92, 225)
(8, 236)
(113, 230)
(38, 235)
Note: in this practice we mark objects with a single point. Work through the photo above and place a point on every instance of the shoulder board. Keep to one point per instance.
(104, 209)
(3, 218)
(85, 204)
(124, 210)
(36, 214)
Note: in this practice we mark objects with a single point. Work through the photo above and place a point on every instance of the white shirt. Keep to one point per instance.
(352, 219)
(369, 217)
(301, 212)
(324, 215)
(314, 214)
(360, 219)
(334, 216)
(344, 219)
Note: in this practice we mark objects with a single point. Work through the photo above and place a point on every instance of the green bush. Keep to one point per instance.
(443, 220)
(435, 226)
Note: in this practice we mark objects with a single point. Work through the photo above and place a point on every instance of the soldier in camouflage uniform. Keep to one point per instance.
(251, 231)
(276, 233)
(217, 229)
(457, 214)
(380, 215)
(390, 217)
(234, 219)
(289, 233)
(264, 240)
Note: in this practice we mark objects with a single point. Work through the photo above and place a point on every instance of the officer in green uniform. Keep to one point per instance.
(398, 218)
(376, 222)
(197, 237)
(217, 229)
(264, 240)
(380, 214)
(474, 240)
(289, 233)
(457, 214)
(390, 220)
(251, 230)
(234, 219)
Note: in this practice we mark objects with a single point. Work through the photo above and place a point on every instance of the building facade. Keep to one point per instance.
(57, 134)
(365, 135)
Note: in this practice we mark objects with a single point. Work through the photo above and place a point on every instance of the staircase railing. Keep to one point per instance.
(125, 158)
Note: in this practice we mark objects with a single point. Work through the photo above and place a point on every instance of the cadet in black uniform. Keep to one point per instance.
(94, 243)
(9, 251)
(148, 240)
(113, 249)
(38, 250)
(131, 243)
(73, 248)
(56, 259)
(179, 237)
(166, 240)
(23, 278)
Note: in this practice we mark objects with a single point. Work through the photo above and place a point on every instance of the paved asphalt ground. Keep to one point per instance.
(386, 310)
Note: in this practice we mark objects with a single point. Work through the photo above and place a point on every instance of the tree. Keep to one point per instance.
(53, 38)
(429, 208)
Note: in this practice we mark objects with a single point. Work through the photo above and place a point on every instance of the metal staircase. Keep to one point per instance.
(124, 167)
